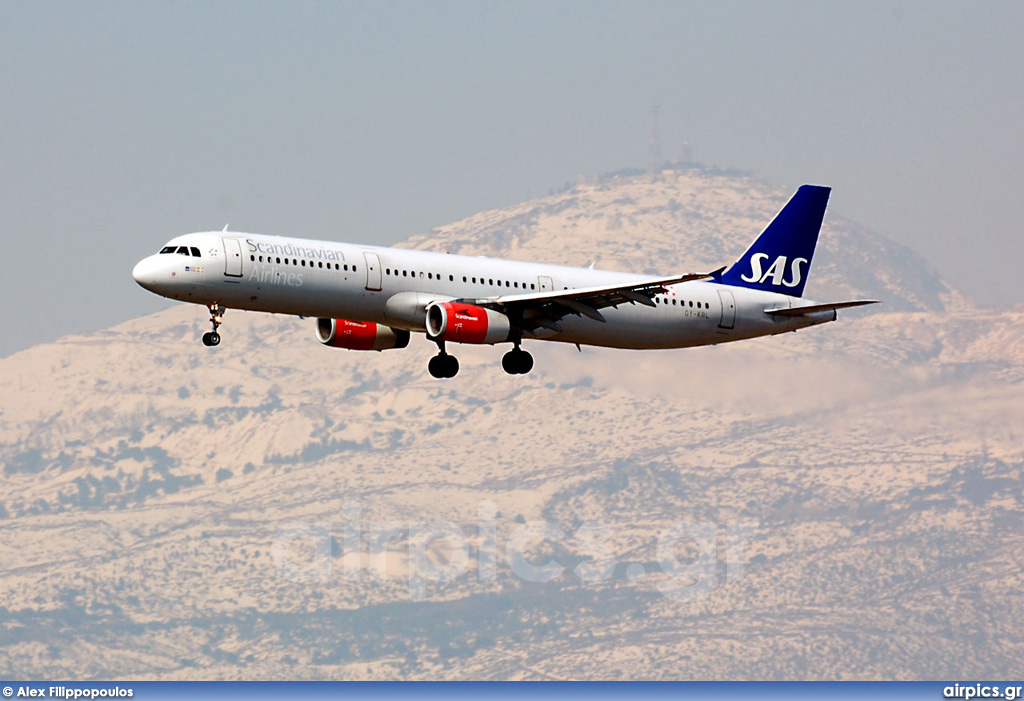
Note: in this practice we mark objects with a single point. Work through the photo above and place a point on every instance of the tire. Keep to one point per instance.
(509, 364)
(525, 362)
(214, 338)
(517, 362)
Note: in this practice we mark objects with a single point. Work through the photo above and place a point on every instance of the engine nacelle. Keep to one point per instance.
(466, 323)
(358, 335)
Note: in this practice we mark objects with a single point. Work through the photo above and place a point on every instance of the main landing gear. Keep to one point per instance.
(517, 361)
(212, 338)
(443, 365)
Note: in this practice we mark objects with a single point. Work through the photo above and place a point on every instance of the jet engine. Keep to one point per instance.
(466, 323)
(358, 335)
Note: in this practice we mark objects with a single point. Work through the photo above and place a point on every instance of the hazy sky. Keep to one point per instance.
(124, 124)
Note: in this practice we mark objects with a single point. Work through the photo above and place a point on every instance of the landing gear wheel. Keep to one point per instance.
(525, 362)
(517, 362)
(443, 366)
(214, 338)
(508, 363)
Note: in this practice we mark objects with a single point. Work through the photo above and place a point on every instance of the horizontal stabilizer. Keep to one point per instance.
(814, 308)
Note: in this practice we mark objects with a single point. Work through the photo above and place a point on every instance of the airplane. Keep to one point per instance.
(372, 298)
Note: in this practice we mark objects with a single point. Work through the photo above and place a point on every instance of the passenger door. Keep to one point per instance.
(374, 276)
(728, 309)
(232, 257)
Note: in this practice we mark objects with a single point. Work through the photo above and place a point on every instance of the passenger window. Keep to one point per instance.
(451, 278)
(303, 263)
(279, 261)
(532, 285)
(346, 267)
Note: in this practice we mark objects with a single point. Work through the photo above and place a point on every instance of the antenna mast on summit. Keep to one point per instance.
(655, 154)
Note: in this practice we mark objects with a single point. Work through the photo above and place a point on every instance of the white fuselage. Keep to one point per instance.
(347, 281)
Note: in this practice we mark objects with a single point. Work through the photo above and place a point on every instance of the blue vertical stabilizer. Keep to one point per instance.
(780, 259)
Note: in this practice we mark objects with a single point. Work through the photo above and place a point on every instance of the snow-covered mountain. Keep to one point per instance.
(174, 511)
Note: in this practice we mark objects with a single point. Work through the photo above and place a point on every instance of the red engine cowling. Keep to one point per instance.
(466, 323)
(358, 335)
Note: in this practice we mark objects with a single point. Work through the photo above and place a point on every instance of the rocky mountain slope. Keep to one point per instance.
(845, 502)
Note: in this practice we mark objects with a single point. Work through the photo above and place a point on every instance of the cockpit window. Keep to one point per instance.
(168, 249)
(195, 251)
(183, 250)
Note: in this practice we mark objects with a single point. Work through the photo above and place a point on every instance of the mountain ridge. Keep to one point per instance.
(681, 218)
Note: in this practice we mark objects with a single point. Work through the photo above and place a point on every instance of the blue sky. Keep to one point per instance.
(124, 124)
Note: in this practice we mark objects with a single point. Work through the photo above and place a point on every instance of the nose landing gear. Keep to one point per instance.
(212, 338)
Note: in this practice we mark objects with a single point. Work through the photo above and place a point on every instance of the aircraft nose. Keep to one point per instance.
(145, 272)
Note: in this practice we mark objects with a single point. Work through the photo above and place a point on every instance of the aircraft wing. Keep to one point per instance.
(546, 308)
(812, 308)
